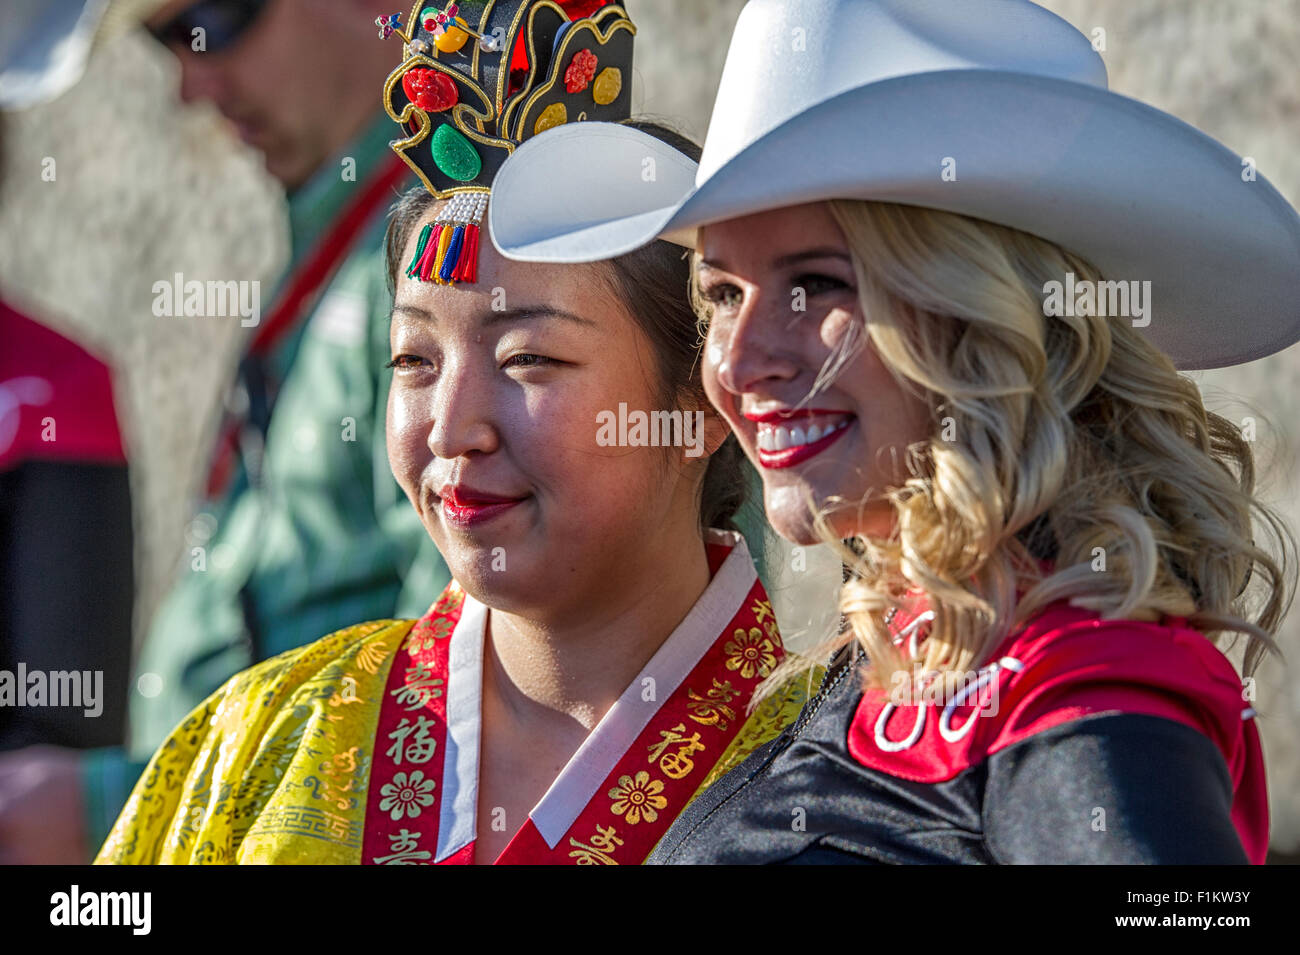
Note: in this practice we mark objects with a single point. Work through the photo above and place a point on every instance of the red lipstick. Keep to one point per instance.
(786, 437)
(463, 506)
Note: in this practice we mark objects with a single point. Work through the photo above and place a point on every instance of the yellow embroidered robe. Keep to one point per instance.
(276, 767)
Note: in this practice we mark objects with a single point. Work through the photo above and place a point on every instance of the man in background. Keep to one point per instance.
(303, 530)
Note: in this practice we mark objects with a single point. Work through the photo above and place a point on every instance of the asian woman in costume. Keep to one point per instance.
(591, 665)
(951, 346)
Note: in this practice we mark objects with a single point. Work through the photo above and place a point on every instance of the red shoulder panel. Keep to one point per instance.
(1066, 664)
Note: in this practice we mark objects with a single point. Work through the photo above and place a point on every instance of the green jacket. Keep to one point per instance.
(326, 539)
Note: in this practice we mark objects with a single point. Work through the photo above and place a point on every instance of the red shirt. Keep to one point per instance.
(56, 399)
(1068, 663)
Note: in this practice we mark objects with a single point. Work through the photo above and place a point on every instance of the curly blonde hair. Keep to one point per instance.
(1069, 459)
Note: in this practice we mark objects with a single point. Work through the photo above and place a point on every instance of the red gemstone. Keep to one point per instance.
(430, 90)
(581, 71)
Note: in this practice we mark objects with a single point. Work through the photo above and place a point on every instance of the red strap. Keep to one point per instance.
(320, 264)
(317, 267)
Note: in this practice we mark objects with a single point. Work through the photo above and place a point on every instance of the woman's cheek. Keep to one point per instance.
(407, 448)
(560, 425)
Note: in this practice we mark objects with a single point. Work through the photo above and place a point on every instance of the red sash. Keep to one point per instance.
(636, 803)
(298, 294)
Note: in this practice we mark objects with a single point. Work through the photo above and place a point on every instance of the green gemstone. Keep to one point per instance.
(454, 154)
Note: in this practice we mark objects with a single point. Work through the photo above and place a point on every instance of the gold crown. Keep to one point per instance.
(478, 78)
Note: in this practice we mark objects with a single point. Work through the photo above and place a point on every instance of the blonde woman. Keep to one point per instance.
(951, 342)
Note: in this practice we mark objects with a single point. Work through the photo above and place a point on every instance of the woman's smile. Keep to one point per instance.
(787, 438)
(464, 507)
(768, 362)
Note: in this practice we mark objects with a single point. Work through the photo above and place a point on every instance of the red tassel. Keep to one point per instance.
(471, 238)
(468, 245)
(458, 273)
(430, 254)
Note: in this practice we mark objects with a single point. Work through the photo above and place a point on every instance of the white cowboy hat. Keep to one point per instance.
(46, 44)
(995, 109)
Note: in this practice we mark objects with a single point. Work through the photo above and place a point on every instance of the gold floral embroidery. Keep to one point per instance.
(451, 599)
(371, 656)
(750, 653)
(425, 634)
(341, 774)
(637, 798)
(406, 795)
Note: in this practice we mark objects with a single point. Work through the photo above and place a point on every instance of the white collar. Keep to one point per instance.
(588, 768)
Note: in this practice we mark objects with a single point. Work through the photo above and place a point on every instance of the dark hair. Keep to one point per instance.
(653, 283)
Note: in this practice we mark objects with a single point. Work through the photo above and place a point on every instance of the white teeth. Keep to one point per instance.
(780, 438)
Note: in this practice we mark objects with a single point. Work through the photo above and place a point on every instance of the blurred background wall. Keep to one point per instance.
(144, 188)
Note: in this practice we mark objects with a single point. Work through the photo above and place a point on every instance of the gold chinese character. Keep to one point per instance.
(601, 849)
(762, 611)
(679, 764)
(404, 852)
(711, 709)
(419, 688)
(421, 746)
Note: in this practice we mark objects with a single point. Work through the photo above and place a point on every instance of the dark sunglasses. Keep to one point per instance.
(222, 21)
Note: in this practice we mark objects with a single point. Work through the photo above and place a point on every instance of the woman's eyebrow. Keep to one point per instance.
(413, 310)
(504, 316)
(530, 312)
(823, 252)
(785, 261)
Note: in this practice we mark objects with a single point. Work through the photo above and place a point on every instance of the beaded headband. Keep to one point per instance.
(479, 77)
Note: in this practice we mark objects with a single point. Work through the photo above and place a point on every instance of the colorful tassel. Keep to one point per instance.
(471, 267)
(430, 256)
(419, 250)
(467, 252)
(444, 240)
(452, 258)
(447, 252)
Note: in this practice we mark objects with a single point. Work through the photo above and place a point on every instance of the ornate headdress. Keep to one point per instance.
(481, 76)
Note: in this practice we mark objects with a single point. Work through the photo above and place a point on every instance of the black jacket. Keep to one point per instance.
(1107, 788)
